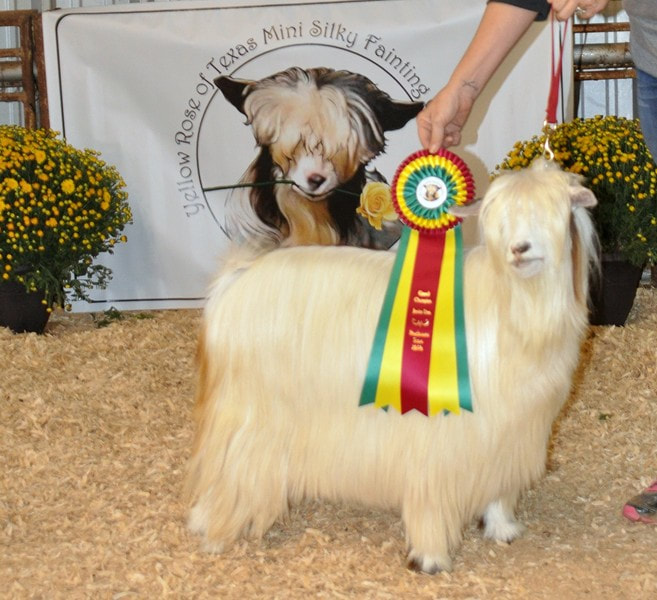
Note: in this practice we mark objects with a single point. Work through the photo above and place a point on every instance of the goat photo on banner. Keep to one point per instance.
(316, 130)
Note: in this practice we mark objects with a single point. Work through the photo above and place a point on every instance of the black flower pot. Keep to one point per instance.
(613, 293)
(20, 310)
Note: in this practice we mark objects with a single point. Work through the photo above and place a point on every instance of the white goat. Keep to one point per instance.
(283, 353)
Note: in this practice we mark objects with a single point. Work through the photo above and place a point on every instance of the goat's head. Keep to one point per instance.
(526, 217)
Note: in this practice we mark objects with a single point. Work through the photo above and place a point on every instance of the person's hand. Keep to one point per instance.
(564, 9)
(440, 122)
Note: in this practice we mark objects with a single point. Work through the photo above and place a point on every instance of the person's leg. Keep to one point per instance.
(643, 506)
(647, 102)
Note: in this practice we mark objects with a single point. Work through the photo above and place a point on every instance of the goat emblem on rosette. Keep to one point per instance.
(419, 357)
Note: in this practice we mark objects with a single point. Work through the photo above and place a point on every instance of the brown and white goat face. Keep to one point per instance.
(310, 135)
(319, 125)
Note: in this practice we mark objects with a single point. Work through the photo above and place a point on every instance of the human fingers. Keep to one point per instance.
(588, 8)
(429, 132)
(564, 9)
(452, 137)
(433, 132)
(440, 122)
(583, 9)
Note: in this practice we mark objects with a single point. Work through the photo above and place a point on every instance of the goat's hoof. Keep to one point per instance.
(504, 531)
(428, 565)
(213, 547)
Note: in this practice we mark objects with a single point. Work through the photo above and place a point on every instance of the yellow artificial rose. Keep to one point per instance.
(376, 204)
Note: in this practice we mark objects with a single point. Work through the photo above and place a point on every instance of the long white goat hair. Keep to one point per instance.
(283, 353)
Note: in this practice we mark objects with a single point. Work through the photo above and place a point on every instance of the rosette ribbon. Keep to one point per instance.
(419, 358)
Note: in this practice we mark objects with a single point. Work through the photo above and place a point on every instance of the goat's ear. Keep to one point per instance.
(234, 90)
(393, 114)
(465, 210)
(582, 196)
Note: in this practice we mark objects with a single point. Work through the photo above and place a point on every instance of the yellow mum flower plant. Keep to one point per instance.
(59, 209)
(611, 154)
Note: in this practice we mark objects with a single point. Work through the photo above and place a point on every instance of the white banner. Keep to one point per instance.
(137, 83)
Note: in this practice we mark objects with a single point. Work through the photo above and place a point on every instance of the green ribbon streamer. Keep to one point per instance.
(463, 372)
(368, 394)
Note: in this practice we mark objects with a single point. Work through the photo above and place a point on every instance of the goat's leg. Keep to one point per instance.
(244, 496)
(499, 520)
(431, 532)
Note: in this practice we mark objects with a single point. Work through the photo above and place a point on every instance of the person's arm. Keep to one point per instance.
(440, 122)
(502, 25)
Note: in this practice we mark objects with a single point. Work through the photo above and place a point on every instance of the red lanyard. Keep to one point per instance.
(555, 84)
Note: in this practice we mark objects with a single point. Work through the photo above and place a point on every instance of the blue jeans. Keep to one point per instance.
(647, 101)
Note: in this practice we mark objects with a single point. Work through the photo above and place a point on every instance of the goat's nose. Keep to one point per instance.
(315, 180)
(520, 248)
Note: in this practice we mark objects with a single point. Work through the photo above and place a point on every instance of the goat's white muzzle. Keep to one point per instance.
(525, 259)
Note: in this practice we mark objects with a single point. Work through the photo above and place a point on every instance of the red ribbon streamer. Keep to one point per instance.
(416, 357)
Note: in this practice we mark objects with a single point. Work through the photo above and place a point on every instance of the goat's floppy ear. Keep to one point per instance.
(393, 114)
(582, 196)
(465, 210)
(234, 90)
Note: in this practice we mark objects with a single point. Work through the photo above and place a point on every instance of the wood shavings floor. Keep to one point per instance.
(95, 429)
